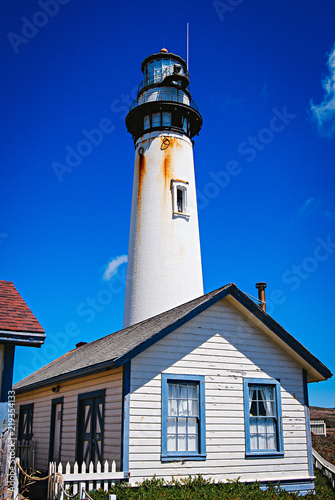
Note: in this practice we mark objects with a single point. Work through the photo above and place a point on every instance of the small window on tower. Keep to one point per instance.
(166, 119)
(184, 124)
(179, 198)
(156, 119)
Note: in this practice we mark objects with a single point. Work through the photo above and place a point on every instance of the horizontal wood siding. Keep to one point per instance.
(42, 398)
(224, 347)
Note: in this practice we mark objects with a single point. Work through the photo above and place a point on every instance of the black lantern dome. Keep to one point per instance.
(164, 101)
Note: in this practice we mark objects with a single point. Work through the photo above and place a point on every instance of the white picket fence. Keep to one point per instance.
(61, 478)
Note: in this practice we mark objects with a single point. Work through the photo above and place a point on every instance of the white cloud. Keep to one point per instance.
(113, 266)
(324, 113)
(314, 208)
(307, 207)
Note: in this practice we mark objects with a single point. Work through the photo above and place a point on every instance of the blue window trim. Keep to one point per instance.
(308, 424)
(168, 456)
(7, 377)
(126, 417)
(280, 441)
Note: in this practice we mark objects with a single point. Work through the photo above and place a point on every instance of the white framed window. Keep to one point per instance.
(179, 197)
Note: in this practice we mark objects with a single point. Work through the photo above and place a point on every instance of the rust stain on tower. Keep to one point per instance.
(141, 176)
(141, 169)
(167, 162)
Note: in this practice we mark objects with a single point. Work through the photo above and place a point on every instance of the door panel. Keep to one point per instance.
(56, 430)
(90, 429)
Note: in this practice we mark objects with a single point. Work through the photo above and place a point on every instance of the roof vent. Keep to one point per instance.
(261, 295)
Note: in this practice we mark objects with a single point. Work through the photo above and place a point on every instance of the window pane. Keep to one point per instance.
(261, 408)
(269, 393)
(271, 434)
(179, 200)
(252, 402)
(253, 441)
(171, 443)
(192, 443)
(271, 445)
(261, 442)
(192, 391)
(172, 407)
(184, 124)
(270, 408)
(270, 404)
(172, 425)
(261, 425)
(182, 443)
(181, 425)
(156, 119)
(192, 425)
(182, 407)
(193, 407)
(146, 122)
(182, 391)
(166, 119)
(173, 391)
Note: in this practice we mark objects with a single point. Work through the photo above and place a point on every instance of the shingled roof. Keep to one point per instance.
(17, 323)
(118, 348)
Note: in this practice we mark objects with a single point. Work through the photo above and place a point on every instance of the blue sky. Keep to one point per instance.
(262, 73)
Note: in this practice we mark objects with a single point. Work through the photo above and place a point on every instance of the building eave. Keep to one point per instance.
(316, 370)
(30, 339)
(83, 372)
(145, 334)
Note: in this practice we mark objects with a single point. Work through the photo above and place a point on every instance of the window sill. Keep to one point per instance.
(264, 454)
(181, 214)
(182, 458)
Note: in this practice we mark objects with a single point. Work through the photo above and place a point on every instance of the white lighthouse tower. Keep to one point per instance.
(164, 260)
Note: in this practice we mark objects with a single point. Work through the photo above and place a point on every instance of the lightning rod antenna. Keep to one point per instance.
(187, 45)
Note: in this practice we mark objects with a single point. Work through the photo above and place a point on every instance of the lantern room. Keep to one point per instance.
(164, 100)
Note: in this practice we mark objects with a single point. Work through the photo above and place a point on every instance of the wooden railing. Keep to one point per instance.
(327, 468)
(62, 479)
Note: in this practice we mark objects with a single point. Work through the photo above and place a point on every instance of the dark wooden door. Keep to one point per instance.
(90, 429)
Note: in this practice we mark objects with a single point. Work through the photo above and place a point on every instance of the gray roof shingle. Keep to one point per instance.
(119, 347)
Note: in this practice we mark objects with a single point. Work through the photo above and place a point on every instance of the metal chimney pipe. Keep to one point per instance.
(261, 295)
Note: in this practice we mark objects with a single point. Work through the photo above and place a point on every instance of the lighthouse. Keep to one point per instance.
(164, 260)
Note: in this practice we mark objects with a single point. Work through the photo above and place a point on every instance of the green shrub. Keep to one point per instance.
(198, 488)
